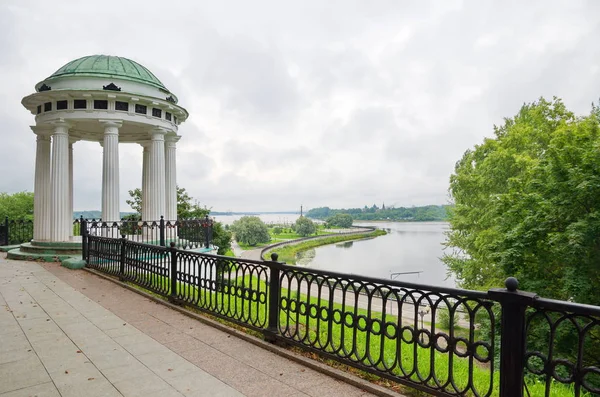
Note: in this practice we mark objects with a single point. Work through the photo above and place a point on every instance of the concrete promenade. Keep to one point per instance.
(71, 333)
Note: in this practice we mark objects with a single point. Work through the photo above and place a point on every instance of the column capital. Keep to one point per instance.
(61, 123)
(61, 127)
(41, 130)
(158, 134)
(172, 138)
(43, 137)
(111, 123)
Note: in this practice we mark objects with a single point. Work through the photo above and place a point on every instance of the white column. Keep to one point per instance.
(156, 175)
(171, 177)
(110, 171)
(41, 189)
(145, 177)
(71, 142)
(60, 220)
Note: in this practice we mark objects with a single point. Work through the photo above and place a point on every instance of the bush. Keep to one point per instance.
(340, 220)
(304, 226)
(250, 230)
(443, 318)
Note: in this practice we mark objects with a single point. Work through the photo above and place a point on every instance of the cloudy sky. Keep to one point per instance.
(337, 103)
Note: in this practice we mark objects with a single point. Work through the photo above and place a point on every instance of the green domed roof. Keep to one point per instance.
(108, 66)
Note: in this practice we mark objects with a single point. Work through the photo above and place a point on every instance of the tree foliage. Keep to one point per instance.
(186, 207)
(373, 213)
(527, 204)
(16, 206)
(304, 226)
(340, 220)
(250, 230)
(221, 238)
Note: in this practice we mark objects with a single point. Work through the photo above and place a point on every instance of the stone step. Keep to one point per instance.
(17, 254)
(71, 244)
(6, 248)
(67, 249)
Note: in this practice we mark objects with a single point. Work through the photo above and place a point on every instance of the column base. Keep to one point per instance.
(45, 251)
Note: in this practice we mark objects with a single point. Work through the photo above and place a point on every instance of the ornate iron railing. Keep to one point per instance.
(15, 231)
(563, 345)
(145, 265)
(185, 233)
(227, 287)
(443, 341)
(413, 334)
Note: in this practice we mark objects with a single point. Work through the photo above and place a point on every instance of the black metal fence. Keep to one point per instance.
(443, 341)
(15, 231)
(186, 233)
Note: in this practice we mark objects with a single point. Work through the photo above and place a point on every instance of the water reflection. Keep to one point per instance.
(345, 244)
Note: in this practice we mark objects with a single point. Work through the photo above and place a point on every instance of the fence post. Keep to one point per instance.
(512, 336)
(207, 227)
(274, 294)
(173, 273)
(162, 231)
(122, 259)
(207, 236)
(84, 238)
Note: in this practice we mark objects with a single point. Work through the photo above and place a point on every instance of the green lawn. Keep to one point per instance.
(353, 342)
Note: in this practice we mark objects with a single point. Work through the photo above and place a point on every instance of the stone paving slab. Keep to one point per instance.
(134, 346)
(54, 341)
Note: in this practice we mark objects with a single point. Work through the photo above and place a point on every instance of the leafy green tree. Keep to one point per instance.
(221, 238)
(250, 230)
(304, 226)
(319, 213)
(340, 220)
(527, 204)
(16, 206)
(277, 230)
(186, 208)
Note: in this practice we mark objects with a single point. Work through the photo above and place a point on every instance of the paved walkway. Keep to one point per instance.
(71, 333)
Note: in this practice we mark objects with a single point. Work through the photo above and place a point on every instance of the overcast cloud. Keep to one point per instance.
(337, 103)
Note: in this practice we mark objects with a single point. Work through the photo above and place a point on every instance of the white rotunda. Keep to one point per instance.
(109, 100)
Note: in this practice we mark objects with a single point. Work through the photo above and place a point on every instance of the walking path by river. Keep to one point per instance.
(255, 254)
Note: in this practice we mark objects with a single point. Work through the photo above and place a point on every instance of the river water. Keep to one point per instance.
(408, 247)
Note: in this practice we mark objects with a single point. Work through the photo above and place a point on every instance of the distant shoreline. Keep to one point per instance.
(400, 221)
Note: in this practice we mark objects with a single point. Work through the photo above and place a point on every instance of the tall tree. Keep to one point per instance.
(187, 208)
(527, 204)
